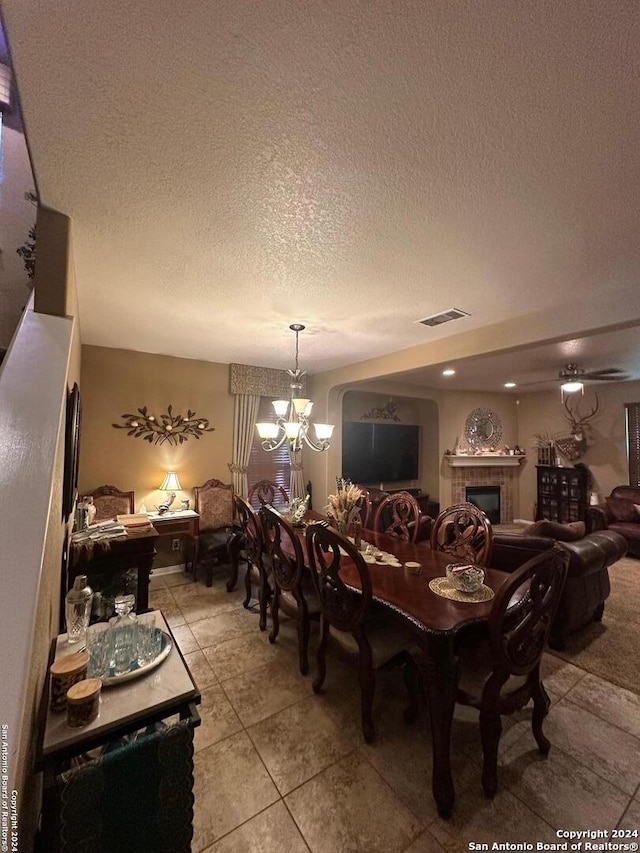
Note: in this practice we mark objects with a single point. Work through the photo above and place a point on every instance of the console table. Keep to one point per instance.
(183, 523)
(109, 557)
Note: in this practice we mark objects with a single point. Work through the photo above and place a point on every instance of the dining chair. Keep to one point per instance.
(218, 536)
(110, 502)
(293, 589)
(501, 673)
(347, 617)
(399, 515)
(267, 492)
(253, 540)
(464, 532)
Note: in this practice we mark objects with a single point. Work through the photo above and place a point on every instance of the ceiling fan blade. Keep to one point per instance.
(606, 371)
(598, 377)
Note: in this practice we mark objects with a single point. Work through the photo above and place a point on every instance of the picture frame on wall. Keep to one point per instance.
(71, 451)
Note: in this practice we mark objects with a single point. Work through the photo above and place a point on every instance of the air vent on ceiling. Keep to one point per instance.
(443, 317)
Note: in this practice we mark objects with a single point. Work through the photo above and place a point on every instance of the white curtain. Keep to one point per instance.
(245, 413)
(297, 487)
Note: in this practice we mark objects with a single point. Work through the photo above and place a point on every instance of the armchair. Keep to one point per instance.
(620, 512)
(218, 536)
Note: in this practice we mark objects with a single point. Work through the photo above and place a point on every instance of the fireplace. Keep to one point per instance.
(486, 498)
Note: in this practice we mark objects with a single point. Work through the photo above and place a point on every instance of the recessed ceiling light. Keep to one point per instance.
(509, 384)
(449, 371)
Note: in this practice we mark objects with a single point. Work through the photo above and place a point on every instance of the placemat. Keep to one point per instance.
(443, 588)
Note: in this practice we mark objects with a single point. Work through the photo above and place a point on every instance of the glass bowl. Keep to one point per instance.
(465, 577)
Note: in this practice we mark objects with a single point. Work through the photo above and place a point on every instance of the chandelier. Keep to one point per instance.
(292, 417)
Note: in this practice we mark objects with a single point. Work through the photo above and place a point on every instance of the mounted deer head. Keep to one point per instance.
(574, 446)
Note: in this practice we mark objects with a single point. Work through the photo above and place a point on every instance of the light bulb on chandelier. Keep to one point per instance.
(292, 417)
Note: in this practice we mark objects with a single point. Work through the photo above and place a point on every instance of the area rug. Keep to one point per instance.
(611, 648)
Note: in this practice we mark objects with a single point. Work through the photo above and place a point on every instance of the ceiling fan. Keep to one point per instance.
(573, 373)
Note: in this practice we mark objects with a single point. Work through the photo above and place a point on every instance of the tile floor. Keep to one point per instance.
(281, 770)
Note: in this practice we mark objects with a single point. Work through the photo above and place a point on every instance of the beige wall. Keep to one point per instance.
(606, 455)
(40, 367)
(115, 382)
(17, 215)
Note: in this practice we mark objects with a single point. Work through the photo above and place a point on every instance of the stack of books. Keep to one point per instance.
(134, 520)
(101, 530)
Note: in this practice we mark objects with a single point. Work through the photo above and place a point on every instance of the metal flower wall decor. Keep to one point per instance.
(169, 427)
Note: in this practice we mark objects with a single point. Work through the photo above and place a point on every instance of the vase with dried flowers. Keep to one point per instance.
(343, 507)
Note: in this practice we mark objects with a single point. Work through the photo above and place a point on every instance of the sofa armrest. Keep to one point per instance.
(597, 518)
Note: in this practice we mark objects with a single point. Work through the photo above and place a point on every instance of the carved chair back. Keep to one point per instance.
(341, 607)
(464, 532)
(398, 515)
(518, 632)
(252, 529)
(267, 492)
(283, 547)
(213, 501)
(110, 502)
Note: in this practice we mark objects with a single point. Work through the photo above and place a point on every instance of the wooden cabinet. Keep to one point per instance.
(562, 493)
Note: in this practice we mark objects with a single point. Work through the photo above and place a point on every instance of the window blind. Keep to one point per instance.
(633, 442)
(274, 466)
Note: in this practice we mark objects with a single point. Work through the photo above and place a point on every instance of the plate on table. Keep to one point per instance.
(136, 670)
(387, 560)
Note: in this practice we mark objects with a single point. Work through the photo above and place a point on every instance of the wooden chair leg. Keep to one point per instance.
(367, 681)
(234, 558)
(275, 619)
(541, 704)
(247, 586)
(303, 636)
(490, 731)
(321, 655)
(263, 598)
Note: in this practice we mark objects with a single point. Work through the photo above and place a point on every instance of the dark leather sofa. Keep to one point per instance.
(619, 513)
(587, 586)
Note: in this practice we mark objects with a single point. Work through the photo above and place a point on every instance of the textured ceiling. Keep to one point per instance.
(232, 167)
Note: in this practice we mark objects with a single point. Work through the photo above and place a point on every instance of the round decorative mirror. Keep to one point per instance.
(483, 430)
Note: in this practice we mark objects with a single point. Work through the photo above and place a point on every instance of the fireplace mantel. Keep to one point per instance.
(486, 460)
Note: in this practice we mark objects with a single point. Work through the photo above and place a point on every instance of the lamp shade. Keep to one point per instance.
(171, 483)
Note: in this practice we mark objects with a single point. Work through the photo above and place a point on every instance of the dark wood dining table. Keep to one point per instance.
(436, 621)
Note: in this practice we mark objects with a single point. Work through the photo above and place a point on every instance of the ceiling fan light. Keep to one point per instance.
(571, 387)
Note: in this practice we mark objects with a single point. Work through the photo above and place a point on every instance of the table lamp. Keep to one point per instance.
(171, 485)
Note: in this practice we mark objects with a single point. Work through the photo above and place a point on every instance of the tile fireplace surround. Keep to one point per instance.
(479, 475)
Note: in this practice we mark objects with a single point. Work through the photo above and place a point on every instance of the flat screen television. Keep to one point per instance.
(380, 453)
